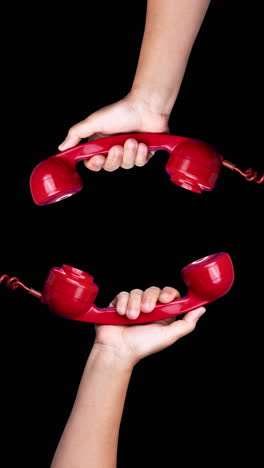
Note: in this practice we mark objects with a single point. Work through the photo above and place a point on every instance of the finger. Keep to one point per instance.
(180, 328)
(150, 154)
(134, 304)
(130, 152)
(168, 294)
(70, 140)
(142, 155)
(96, 163)
(78, 131)
(113, 302)
(149, 299)
(120, 302)
(192, 317)
(114, 158)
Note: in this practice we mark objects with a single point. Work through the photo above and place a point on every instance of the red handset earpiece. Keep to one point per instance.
(193, 164)
(70, 292)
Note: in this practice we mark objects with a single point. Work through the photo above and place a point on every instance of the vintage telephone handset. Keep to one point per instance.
(193, 165)
(70, 292)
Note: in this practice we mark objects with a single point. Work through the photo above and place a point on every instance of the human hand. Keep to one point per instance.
(132, 343)
(130, 114)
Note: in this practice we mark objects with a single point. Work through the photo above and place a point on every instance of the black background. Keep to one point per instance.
(199, 401)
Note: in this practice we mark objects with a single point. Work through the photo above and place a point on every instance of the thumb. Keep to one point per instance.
(180, 328)
(83, 129)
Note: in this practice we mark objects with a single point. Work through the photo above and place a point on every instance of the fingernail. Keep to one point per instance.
(200, 311)
(131, 314)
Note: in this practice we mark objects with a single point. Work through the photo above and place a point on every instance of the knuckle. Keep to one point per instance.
(170, 290)
(115, 151)
(72, 131)
(137, 292)
(95, 163)
(113, 159)
(122, 294)
(140, 163)
(110, 165)
(127, 165)
(131, 144)
(191, 327)
(153, 289)
(77, 130)
(110, 168)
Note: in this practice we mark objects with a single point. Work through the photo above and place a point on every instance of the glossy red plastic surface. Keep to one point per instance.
(193, 165)
(70, 293)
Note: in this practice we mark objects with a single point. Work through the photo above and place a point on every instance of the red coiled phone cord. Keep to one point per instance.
(250, 174)
(14, 283)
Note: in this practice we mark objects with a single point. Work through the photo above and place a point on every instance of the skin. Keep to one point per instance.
(170, 30)
(90, 437)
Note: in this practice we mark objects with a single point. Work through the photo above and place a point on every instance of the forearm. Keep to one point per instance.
(90, 437)
(170, 30)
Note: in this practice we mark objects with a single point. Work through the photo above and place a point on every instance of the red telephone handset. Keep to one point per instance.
(70, 293)
(193, 164)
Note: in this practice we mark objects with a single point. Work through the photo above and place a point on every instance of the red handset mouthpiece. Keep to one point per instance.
(193, 165)
(70, 293)
(53, 180)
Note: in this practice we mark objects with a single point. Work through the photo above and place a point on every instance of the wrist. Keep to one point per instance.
(110, 360)
(154, 99)
(148, 105)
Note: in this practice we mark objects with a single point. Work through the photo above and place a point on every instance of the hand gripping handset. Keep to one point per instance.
(193, 164)
(70, 293)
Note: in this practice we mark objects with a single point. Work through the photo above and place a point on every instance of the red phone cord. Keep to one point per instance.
(250, 174)
(14, 283)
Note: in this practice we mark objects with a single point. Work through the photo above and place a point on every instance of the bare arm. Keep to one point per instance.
(170, 30)
(90, 438)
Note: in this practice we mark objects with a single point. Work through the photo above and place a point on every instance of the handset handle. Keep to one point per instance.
(154, 141)
(109, 315)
